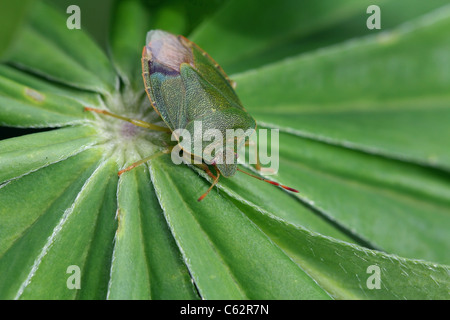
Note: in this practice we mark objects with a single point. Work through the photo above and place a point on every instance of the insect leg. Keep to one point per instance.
(205, 168)
(208, 172)
(210, 188)
(136, 122)
(142, 161)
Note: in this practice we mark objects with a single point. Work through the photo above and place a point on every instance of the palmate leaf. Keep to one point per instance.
(363, 137)
(12, 15)
(247, 40)
(46, 33)
(382, 96)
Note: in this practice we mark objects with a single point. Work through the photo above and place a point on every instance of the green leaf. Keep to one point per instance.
(375, 209)
(82, 238)
(378, 91)
(346, 271)
(285, 206)
(28, 226)
(146, 261)
(23, 106)
(181, 17)
(12, 16)
(127, 40)
(256, 32)
(227, 255)
(76, 59)
(25, 154)
(38, 84)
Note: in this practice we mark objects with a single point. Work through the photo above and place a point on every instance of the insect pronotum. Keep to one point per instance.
(184, 84)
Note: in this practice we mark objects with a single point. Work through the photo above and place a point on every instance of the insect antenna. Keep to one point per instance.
(269, 181)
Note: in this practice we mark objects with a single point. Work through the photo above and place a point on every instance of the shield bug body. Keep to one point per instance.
(185, 85)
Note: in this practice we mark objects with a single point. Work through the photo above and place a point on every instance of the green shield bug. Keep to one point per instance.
(184, 86)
